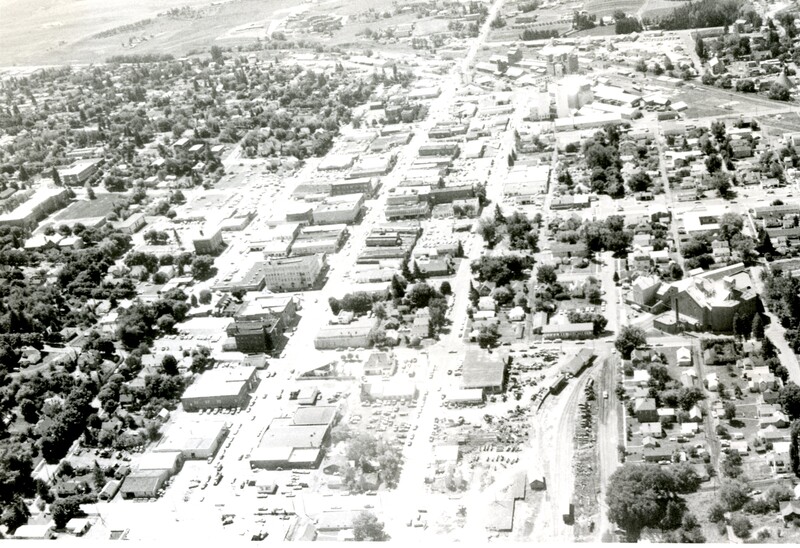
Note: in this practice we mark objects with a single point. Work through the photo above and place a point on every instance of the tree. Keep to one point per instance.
(488, 336)
(757, 329)
(713, 163)
(789, 398)
(203, 267)
(638, 497)
(719, 180)
(546, 274)
(445, 288)
(29, 411)
(487, 230)
(474, 296)
(98, 476)
(730, 225)
(499, 218)
(629, 339)
(779, 92)
(640, 181)
(89, 191)
(333, 302)
(733, 494)
(366, 527)
(169, 364)
(379, 311)
(64, 510)
(205, 296)
(398, 287)
(216, 54)
(700, 48)
(730, 411)
(741, 526)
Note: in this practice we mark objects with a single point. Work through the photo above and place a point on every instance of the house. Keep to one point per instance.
(645, 410)
(689, 429)
(666, 415)
(790, 510)
(657, 454)
(771, 434)
(684, 356)
(516, 314)
(779, 458)
(712, 382)
(487, 303)
(35, 532)
(651, 429)
(696, 414)
(78, 526)
(740, 446)
(649, 442)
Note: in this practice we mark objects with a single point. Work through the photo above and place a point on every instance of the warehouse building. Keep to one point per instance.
(227, 388)
(143, 484)
(193, 439)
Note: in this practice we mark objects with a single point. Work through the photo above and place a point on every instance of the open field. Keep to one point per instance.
(43, 31)
(40, 32)
(608, 7)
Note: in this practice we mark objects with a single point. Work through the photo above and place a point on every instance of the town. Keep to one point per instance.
(510, 270)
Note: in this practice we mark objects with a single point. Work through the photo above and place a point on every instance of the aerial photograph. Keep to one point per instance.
(418, 272)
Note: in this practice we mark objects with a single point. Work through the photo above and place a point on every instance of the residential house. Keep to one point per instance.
(645, 410)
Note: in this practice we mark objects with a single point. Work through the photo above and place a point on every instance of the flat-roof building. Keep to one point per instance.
(483, 370)
(295, 442)
(345, 208)
(294, 273)
(353, 335)
(193, 439)
(44, 202)
(79, 172)
(143, 484)
(208, 241)
(226, 388)
(584, 330)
